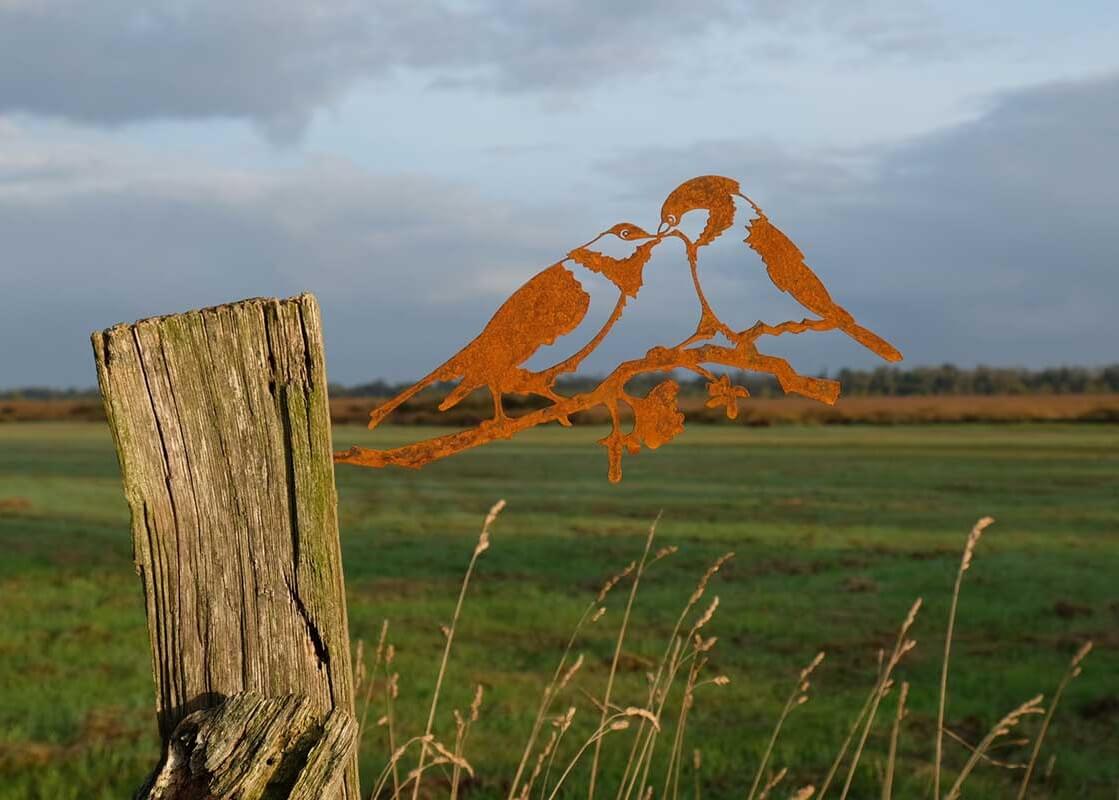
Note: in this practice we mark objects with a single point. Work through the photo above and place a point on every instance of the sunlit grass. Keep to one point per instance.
(836, 530)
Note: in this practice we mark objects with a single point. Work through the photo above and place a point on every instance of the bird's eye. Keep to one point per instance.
(671, 219)
(625, 233)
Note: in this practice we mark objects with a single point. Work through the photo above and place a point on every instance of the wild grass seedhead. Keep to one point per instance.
(1073, 671)
(571, 671)
(685, 656)
(701, 587)
(771, 784)
(965, 563)
(476, 703)
(707, 615)
(614, 580)
(972, 540)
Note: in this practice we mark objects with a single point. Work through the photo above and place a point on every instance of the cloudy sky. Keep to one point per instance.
(950, 169)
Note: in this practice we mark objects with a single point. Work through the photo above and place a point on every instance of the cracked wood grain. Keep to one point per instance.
(252, 747)
(222, 430)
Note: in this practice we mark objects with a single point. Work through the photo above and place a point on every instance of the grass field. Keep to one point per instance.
(836, 530)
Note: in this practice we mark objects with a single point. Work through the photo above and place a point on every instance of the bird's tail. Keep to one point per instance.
(448, 371)
(870, 340)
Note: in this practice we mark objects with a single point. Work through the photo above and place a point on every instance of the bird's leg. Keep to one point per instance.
(539, 383)
(499, 416)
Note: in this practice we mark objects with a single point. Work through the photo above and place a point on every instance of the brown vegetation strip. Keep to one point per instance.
(764, 411)
(755, 411)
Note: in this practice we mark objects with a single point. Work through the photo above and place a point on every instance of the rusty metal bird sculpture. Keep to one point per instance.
(554, 303)
(783, 259)
(548, 306)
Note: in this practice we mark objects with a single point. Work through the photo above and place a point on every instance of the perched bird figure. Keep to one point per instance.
(550, 305)
(783, 259)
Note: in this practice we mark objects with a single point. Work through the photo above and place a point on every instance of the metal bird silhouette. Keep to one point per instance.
(783, 260)
(548, 306)
(553, 304)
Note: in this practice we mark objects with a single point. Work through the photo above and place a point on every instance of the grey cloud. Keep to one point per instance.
(117, 61)
(992, 241)
(989, 241)
(404, 266)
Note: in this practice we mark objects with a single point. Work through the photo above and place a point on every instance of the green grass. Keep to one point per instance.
(836, 531)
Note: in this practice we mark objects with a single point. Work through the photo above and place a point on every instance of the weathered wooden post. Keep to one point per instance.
(222, 429)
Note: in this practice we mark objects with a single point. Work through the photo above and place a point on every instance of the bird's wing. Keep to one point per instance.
(789, 273)
(548, 306)
(786, 267)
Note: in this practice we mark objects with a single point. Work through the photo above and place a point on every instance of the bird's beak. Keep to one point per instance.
(662, 229)
(592, 241)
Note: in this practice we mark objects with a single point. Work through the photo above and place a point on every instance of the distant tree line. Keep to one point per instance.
(46, 393)
(948, 379)
(882, 382)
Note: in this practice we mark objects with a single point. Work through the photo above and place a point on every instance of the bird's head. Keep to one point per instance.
(612, 241)
(712, 193)
(626, 231)
(620, 253)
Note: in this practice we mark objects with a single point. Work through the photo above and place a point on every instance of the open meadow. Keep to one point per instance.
(835, 530)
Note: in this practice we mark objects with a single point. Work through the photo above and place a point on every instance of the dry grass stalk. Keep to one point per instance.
(965, 563)
(462, 731)
(986, 756)
(392, 691)
(853, 729)
(797, 697)
(902, 646)
(660, 682)
(772, 783)
(682, 651)
(612, 724)
(365, 679)
(892, 756)
(1072, 672)
(481, 547)
(593, 613)
(390, 767)
(563, 724)
(618, 652)
(672, 771)
(1002, 727)
(544, 755)
(642, 742)
(559, 681)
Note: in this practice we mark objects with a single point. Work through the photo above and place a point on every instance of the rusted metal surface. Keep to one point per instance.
(553, 304)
